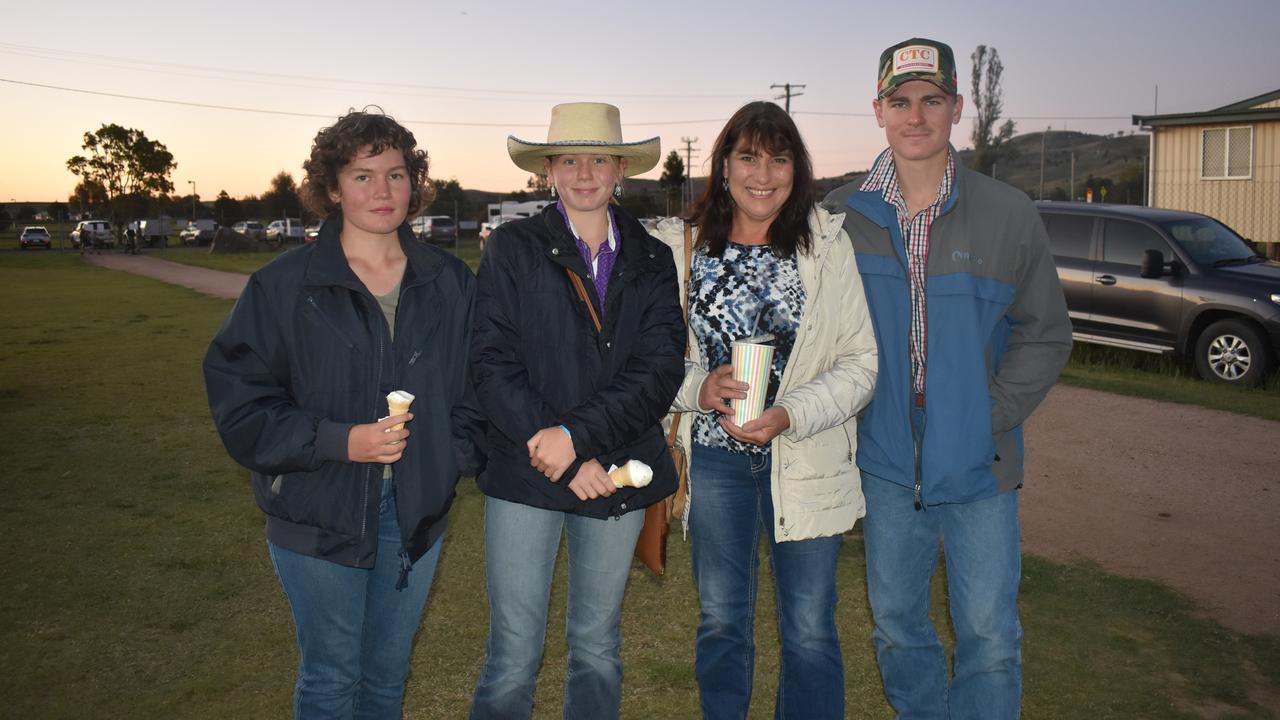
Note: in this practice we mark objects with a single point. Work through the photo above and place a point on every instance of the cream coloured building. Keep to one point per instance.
(1224, 163)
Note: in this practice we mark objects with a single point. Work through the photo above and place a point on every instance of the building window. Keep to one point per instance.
(1226, 153)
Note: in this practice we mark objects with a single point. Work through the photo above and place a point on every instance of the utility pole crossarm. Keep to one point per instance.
(788, 93)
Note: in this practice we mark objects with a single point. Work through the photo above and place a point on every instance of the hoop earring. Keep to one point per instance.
(617, 190)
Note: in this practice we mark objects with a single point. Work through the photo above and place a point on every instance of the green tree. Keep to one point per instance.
(282, 200)
(449, 199)
(672, 179)
(88, 197)
(123, 162)
(1101, 187)
(1129, 185)
(57, 211)
(538, 185)
(987, 99)
(226, 209)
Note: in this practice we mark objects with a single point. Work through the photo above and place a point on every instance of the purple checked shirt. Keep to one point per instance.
(602, 267)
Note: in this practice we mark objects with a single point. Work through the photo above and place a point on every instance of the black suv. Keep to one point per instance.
(1169, 282)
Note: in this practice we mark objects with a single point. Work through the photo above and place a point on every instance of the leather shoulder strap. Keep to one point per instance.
(582, 293)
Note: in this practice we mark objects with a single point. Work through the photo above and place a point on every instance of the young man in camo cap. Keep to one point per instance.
(973, 331)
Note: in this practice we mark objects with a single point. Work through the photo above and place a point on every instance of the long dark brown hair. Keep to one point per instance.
(758, 126)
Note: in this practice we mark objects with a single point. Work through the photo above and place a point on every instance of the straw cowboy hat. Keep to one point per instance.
(584, 129)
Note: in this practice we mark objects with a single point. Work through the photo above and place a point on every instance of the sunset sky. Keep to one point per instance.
(246, 85)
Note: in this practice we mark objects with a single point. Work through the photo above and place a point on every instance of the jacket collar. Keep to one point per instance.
(563, 248)
(328, 263)
(869, 202)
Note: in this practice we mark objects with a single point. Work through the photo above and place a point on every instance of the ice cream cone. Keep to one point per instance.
(398, 402)
(632, 474)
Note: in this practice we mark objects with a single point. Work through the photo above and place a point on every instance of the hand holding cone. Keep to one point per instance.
(632, 474)
(398, 402)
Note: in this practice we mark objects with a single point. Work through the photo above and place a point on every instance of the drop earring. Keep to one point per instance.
(553, 191)
(617, 190)
(724, 183)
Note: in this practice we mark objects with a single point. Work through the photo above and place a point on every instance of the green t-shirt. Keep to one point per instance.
(388, 303)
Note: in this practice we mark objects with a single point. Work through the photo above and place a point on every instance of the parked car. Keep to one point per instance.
(434, 228)
(1169, 282)
(34, 236)
(250, 228)
(91, 230)
(312, 232)
(198, 232)
(284, 231)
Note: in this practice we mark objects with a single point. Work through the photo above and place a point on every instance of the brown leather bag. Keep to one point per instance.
(651, 546)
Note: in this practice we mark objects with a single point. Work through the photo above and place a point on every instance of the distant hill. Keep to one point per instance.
(1113, 161)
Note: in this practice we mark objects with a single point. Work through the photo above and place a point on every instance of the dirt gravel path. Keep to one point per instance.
(1180, 494)
(217, 283)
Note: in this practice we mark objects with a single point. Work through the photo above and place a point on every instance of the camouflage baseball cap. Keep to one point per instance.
(917, 59)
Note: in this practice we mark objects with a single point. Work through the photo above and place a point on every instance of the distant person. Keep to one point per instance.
(973, 331)
(297, 380)
(566, 399)
(768, 261)
(131, 240)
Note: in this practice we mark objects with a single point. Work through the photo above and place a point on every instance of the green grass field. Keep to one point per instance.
(138, 584)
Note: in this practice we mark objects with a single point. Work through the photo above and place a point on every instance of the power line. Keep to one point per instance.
(1007, 117)
(247, 75)
(290, 113)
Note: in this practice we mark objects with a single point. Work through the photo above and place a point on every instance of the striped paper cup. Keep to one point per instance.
(751, 365)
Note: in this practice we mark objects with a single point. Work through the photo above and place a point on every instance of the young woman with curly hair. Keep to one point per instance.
(298, 375)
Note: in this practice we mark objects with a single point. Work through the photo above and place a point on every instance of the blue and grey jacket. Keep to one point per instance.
(998, 335)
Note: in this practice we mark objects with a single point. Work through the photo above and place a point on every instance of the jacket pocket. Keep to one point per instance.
(824, 454)
(318, 317)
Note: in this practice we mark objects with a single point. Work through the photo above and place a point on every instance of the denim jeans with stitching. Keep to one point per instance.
(355, 630)
(983, 565)
(731, 510)
(521, 543)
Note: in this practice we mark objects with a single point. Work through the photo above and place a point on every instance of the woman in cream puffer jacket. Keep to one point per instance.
(767, 261)
(816, 487)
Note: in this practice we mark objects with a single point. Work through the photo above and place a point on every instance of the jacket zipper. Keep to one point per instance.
(917, 436)
(377, 384)
(332, 327)
(802, 336)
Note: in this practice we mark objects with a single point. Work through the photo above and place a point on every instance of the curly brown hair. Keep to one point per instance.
(343, 141)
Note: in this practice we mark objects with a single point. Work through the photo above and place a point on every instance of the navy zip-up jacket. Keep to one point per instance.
(539, 361)
(306, 354)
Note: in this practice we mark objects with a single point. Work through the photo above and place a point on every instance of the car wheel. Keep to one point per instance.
(1232, 351)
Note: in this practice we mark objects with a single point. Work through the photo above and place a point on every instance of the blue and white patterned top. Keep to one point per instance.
(749, 291)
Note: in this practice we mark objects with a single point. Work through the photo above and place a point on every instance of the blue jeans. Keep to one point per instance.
(730, 510)
(521, 543)
(983, 568)
(355, 630)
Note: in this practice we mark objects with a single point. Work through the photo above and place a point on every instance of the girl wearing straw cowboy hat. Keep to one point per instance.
(577, 353)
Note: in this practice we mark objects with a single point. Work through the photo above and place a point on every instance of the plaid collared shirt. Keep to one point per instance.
(883, 179)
